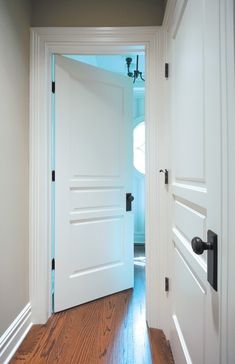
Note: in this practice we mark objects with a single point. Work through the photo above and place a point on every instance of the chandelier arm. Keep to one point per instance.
(142, 77)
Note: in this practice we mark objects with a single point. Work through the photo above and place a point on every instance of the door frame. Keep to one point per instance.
(82, 40)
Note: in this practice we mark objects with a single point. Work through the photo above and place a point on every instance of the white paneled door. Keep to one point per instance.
(196, 186)
(93, 154)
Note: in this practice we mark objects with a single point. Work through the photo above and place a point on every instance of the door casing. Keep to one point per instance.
(44, 43)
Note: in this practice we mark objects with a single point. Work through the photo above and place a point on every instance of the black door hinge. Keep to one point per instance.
(53, 87)
(166, 284)
(166, 70)
(53, 264)
(53, 176)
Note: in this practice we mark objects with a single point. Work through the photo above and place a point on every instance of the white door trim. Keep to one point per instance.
(227, 36)
(45, 42)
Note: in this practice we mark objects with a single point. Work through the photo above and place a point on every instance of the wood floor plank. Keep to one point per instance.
(161, 352)
(111, 330)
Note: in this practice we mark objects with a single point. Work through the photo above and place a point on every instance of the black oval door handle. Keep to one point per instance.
(199, 246)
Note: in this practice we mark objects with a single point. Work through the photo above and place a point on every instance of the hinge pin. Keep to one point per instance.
(166, 284)
(53, 87)
(166, 70)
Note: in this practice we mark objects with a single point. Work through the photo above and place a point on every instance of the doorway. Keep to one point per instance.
(102, 70)
(48, 41)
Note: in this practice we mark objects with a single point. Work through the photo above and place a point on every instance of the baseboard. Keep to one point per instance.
(139, 237)
(14, 335)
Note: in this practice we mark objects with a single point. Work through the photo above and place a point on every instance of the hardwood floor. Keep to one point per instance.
(111, 330)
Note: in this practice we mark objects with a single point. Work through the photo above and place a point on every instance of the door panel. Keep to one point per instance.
(188, 58)
(98, 238)
(191, 297)
(185, 218)
(86, 198)
(195, 186)
(93, 231)
(104, 125)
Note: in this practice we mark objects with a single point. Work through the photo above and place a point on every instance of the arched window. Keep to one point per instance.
(139, 147)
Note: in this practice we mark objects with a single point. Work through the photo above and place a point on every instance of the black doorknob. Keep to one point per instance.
(199, 246)
(130, 197)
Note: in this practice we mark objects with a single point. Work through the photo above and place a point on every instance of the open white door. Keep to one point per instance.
(93, 153)
(196, 180)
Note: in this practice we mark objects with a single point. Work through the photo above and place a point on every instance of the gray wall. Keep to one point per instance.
(47, 13)
(14, 105)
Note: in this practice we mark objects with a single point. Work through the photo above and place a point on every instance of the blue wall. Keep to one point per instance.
(139, 178)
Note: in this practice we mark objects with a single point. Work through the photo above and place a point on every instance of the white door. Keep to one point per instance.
(196, 186)
(93, 154)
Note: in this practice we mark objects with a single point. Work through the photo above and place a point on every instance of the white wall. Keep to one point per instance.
(14, 105)
(97, 12)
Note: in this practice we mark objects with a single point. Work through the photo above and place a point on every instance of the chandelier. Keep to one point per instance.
(136, 72)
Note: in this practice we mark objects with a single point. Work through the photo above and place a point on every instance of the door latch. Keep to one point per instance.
(166, 175)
